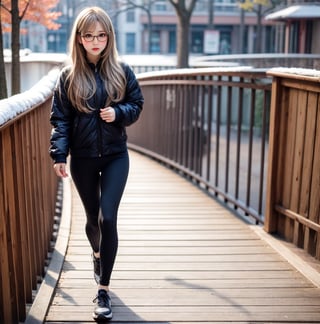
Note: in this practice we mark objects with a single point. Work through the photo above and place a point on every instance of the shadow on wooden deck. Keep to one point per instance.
(183, 258)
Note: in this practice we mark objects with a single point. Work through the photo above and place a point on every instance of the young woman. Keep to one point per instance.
(95, 99)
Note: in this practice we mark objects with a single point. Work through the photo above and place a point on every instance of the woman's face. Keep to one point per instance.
(94, 42)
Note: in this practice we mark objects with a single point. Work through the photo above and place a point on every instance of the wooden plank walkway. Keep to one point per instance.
(183, 258)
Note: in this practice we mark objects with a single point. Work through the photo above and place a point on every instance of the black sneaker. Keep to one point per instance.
(96, 268)
(102, 311)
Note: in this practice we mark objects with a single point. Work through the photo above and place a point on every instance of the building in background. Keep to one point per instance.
(302, 24)
(135, 34)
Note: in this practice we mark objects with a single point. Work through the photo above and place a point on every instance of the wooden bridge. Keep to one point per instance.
(233, 146)
(183, 258)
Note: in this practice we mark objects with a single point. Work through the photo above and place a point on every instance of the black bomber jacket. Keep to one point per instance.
(86, 134)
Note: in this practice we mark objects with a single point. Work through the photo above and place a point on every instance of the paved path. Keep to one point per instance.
(183, 258)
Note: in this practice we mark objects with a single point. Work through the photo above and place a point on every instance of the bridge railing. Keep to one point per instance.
(293, 198)
(28, 196)
(212, 126)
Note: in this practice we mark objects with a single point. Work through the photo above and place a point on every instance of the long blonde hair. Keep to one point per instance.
(80, 81)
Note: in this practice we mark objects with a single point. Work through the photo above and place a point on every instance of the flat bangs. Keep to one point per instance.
(89, 23)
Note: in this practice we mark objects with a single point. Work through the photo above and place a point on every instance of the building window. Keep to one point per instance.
(130, 16)
(160, 6)
(197, 42)
(130, 43)
(155, 42)
(294, 37)
(308, 44)
(225, 42)
(201, 6)
(172, 42)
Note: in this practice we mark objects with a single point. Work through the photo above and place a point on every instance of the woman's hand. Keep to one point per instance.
(108, 114)
(60, 169)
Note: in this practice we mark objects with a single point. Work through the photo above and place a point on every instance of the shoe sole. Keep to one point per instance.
(102, 318)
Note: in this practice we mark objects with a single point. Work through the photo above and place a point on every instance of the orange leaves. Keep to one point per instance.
(32, 10)
(41, 12)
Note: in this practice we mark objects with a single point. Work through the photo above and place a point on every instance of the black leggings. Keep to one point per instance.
(100, 183)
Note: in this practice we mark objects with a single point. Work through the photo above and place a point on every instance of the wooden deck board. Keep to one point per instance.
(182, 258)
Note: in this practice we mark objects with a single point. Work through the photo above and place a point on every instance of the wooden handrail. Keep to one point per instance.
(292, 202)
(28, 190)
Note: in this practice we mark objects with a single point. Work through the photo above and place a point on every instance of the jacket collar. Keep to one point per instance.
(95, 67)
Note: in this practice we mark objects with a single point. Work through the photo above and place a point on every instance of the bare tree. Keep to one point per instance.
(15, 46)
(260, 8)
(184, 9)
(241, 30)
(146, 6)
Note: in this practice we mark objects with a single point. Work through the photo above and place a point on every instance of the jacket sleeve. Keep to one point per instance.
(61, 120)
(129, 109)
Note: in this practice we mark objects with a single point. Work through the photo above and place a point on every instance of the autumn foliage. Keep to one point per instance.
(33, 10)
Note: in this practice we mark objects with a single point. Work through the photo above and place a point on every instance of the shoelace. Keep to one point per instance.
(104, 298)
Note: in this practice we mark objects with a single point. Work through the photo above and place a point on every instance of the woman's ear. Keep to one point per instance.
(79, 38)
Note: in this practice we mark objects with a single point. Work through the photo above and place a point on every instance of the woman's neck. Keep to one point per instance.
(93, 59)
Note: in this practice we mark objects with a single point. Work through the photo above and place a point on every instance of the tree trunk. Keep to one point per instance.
(259, 30)
(241, 32)
(183, 41)
(3, 82)
(184, 15)
(211, 15)
(15, 48)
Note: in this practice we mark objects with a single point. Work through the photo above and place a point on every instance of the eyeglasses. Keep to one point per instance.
(89, 37)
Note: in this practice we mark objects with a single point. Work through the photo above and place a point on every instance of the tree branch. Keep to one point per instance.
(24, 10)
(4, 7)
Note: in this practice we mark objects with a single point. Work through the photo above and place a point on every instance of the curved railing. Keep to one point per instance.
(212, 126)
(28, 195)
